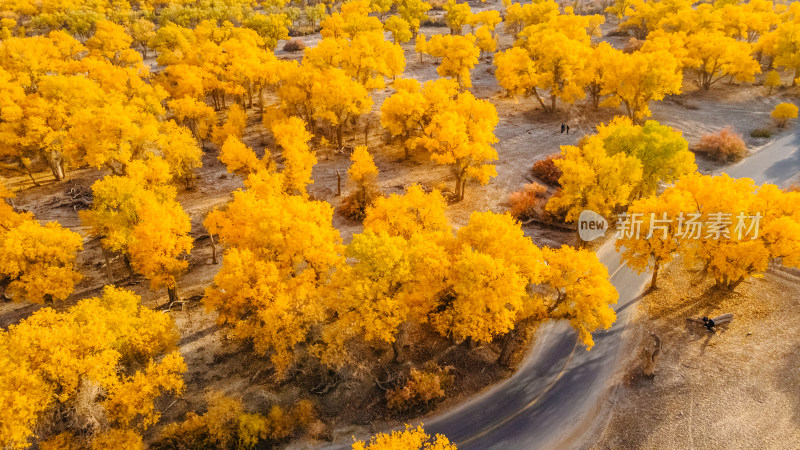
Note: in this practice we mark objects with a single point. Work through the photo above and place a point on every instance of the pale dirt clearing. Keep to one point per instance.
(736, 388)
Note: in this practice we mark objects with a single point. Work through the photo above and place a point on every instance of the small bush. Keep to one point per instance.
(421, 389)
(761, 133)
(546, 170)
(793, 188)
(437, 5)
(784, 112)
(725, 145)
(633, 45)
(527, 203)
(772, 80)
(294, 46)
(355, 205)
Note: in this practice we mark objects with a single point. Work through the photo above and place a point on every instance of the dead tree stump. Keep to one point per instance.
(650, 364)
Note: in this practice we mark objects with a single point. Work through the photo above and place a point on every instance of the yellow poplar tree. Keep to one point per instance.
(462, 138)
(239, 158)
(410, 439)
(489, 18)
(459, 55)
(640, 77)
(516, 72)
(457, 15)
(713, 56)
(504, 262)
(485, 41)
(195, 115)
(180, 150)
(363, 174)
(561, 62)
(581, 291)
(367, 302)
(158, 240)
(400, 29)
(118, 202)
(110, 344)
(729, 249)
(592, 179)
(281, 252)
(421, 45)
(39, 260)
(298, 159)
(234, 125)
(604, 58)
(403, 111)
(339, 100)
(663, 151)
(405, 215)
(488, 296)
(111, 42)
(413, 12)
(654, 250)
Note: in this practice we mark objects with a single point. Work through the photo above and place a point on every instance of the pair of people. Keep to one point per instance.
(564, 127)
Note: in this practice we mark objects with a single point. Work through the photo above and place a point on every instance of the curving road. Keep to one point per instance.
(558, 390)
(554, 394)
(776, 163)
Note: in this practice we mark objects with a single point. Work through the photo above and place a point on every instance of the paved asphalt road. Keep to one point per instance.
(557, 392)
(559, 388)
(774, 164)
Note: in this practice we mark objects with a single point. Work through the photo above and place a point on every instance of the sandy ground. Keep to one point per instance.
(736, 388)
(525, 134)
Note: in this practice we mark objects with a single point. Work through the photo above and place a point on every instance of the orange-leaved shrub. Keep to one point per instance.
(294, 46)
(529, 202)
(546, 170)
(725, 145)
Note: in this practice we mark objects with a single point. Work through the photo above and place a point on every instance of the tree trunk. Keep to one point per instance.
(29, 172)
(539, 99)
(655, 276)
(509, 345)
(213, 249)
(631, 112)
(338, 183)
(397, 345)
(459, 187)
(109, 271)
(56, 165)
(172, 292)
(128, 265)
(650, 364)
(339, 131)
(470, 343)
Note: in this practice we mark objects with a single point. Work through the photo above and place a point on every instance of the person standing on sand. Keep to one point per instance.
(563, 127)
(567, 129)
